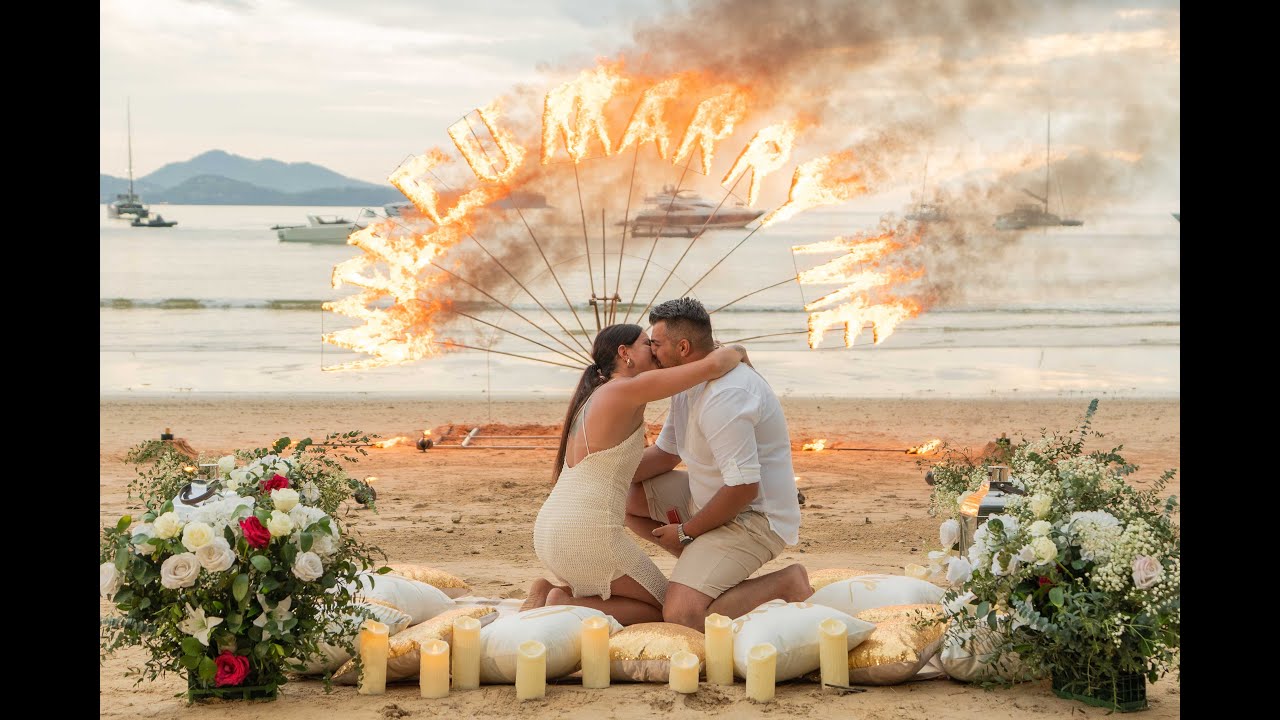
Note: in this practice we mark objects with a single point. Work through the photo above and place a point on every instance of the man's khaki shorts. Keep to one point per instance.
(720, 558)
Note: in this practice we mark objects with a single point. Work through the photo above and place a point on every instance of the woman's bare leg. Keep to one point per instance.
(629, 603)
(538, 593)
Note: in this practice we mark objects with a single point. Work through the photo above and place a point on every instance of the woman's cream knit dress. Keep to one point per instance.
(580, 535)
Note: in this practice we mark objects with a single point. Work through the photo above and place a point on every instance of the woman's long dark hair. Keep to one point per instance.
(604, 351)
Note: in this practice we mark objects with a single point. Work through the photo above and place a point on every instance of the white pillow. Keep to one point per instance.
(558, 627)
(420, 600)
(792, 628)
(868, 592)
(332, 656)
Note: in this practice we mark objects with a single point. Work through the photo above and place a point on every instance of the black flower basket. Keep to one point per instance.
(197, 693)
(1125, 692)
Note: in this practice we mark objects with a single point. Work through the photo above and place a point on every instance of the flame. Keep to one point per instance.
(766, 152)
(426, 433)
(815, 445)
(714, 120)
(371, 480)
(883, 318)
(410, 179)
(390, 442)
(817, 183)
(188, 468)
(471, 149)
(926, 448)
(648, 124)
(583, 99)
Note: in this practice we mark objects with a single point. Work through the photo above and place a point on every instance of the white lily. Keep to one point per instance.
(277, 616)
(197, 625)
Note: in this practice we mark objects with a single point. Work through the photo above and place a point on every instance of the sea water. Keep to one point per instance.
(218, 305)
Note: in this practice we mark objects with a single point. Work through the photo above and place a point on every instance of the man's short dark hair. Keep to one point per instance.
(686, 318)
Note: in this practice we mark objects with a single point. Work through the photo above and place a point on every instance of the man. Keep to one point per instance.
(735, 508)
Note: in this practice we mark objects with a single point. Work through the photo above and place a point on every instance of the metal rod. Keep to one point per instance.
(757, 337)
(726, 255)
(511, 310)
(496, 447)
(690, 247)
(753, 292)
(538, 245)
(657, 237)
(586, 242)
(512, 332)
(467, 440)
(522, 357)
(604, 264)
(622, 245)
(510, 437)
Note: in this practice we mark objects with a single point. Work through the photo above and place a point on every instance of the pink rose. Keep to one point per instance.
(232, 669)
(254, 533)
(277, 482)
(1147, 571)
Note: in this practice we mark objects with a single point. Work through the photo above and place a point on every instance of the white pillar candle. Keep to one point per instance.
(374, 648)
(595, 652)
(719, 648)
(762, 663)
(531, 670)
(433, 670)
(833, 651)
(684, 672)
(466, 653)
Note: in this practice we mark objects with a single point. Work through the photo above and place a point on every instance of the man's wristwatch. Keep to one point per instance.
(684, 539)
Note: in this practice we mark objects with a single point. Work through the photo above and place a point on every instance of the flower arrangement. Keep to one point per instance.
(233, 590)
(1079, 576)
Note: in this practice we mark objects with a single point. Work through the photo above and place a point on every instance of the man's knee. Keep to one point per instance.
(685, 606)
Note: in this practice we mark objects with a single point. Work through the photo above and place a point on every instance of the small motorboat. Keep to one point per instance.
(157, 221)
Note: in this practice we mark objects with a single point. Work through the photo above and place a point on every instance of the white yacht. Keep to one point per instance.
(684, 212)
(324, 228)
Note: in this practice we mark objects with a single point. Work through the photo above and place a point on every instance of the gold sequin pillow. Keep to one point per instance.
(404, 657)
(822, 578)
(330, 656)
(642, 652)
(905, 639)
(446, 582)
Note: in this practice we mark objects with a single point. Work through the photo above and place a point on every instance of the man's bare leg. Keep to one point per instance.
(690, 607)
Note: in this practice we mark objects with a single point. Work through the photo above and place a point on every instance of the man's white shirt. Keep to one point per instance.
(731, 431)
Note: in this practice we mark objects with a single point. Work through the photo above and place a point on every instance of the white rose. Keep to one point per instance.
(146, 548)
(323, 544)
(959, 571)
(284, 498)
(226, 464)
(949, 533)
(1041, 504)
(310, 492)
(1026, 554)
(196, 535)
(179, 571)
(1040, 528)
(279, 524)
(238, 477)
(168, 525)
(1147, 571)
(1046, 550)
(109, 580)
(216, 556)
(307, 567)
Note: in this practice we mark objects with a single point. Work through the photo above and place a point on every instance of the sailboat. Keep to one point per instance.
(128, 204)
(1027, 215)
(927, 212)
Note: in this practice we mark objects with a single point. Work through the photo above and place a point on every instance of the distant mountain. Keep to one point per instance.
(220, 178)
(267, 173)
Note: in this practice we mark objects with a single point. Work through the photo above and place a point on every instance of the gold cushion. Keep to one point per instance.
(822, 578)
(642, 652)
(404, 659)
(446, 582)
(906, 637)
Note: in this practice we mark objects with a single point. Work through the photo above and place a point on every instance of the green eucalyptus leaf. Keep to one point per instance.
(1055, 595)
(240, 587)
(124, 523)
(208, 669)
(192, 646)
(261, 562)
(983, 608)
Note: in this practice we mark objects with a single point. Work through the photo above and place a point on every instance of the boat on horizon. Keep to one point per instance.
(128, 204)
(330, 229)
(157, 221)
(1027, 215)
(673, 212)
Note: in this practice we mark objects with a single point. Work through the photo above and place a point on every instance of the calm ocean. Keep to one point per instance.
(217, 305)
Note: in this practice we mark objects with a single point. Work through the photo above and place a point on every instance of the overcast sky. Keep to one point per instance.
(359, 86)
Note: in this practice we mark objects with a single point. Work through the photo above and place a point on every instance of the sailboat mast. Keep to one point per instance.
(128, 123)
(1047, 119)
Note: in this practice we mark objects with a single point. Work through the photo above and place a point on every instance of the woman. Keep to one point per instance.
(579, 534)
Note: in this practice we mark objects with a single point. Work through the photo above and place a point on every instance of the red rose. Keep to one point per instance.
(254, 532)
(1045, 581)
(232, 669)
(278, 482)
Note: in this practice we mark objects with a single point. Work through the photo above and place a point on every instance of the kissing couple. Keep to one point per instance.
(732, 510)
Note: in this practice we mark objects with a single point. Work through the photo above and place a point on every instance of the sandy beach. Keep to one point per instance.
(865, 507)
